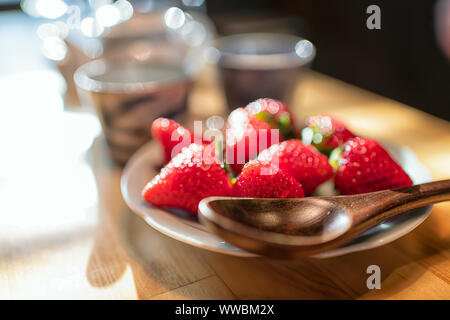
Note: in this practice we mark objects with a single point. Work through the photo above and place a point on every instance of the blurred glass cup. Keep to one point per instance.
(128, 96)
(258, 65)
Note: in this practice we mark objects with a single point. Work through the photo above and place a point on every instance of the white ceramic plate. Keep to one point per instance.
(185, 227)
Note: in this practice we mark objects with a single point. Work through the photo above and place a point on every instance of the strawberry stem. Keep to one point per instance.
(284, 119)
(282, 123)
(335, 156)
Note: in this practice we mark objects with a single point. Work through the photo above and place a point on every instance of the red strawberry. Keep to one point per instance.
(325, 133)
(364, 166)
(246, 136)
(249, 130)
(193, 174)
(307, 165)
(172, 136)
(263, 180)
(274, 112)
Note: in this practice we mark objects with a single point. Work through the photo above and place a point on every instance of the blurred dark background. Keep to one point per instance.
(402, 60)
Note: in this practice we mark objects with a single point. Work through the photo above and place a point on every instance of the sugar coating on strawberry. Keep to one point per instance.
(193, 174)
(363, 165)
(260, 179)
(246, 136)
(302, 161)
(325, 132)
(172, 136)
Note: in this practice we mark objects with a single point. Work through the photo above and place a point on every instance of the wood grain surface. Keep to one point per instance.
(66, 233)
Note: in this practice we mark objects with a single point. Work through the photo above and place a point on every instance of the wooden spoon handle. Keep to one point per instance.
(378, 206)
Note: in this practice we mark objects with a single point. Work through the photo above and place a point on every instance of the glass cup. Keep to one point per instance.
(258, 65)
(128, 96)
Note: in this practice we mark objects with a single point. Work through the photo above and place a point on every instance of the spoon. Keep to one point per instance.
(289, 228)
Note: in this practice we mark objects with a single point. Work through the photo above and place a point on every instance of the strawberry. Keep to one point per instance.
(261, 179)
(249, 130)
(275, 113)
(246, 136)
(193, 174)
(302, 161)
(364, 166)
(325, 133)
(172, 136)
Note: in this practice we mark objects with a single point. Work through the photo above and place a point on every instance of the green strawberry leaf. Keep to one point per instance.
(335, 157)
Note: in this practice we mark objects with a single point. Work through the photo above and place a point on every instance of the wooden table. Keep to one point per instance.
(66, 233)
